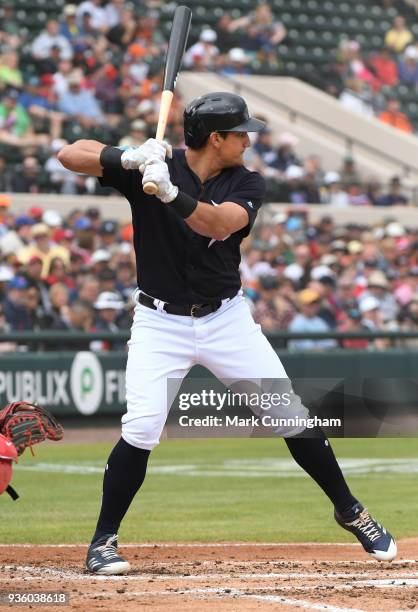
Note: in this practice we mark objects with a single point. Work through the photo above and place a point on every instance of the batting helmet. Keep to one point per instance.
(217, 112)
(8, 453)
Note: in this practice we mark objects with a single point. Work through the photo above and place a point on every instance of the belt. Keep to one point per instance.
(194, 310)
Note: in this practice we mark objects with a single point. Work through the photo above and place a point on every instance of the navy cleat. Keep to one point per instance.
(372, 536)
(103, 558)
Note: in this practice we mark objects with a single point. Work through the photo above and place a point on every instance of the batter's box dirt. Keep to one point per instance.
(226, 577)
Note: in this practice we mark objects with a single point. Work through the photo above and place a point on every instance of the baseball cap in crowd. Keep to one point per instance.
(18, 282)
(294, 272)
(319, 271)
(107, 275)
(6, 274)
(294, 172)
(354, 247)
(108, 227)
(22, 220)
(328, 259)
(308, 296)
(332, 177)
(236, 54)
(338, 245)
(39, 229)
(279, 218)
(268, 282)
(369, 303)
(286, 139)
(377, 279)
(110, 300)
(36, 212)
(354, 313)
(52, 218)
(35, 259)
(63, 234)
(83, 223)
(208, 35)
(100, 255)
(93, 212)
(70, 10)
(139, 125)
(5, 200)
(394, 230)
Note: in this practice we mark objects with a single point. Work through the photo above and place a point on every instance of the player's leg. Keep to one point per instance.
(161, 347)
(234, 348)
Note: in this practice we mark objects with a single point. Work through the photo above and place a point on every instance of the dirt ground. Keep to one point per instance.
(226, 577)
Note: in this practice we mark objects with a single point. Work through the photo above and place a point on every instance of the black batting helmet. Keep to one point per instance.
(217, 112)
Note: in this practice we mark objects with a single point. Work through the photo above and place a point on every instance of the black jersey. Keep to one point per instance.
(174, 263)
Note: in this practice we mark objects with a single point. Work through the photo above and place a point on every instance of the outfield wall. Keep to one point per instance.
(89, 384)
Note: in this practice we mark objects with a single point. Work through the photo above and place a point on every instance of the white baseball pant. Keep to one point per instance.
(163, 346)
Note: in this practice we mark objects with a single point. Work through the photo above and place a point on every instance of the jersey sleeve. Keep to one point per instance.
(120, 179)
(249, 194)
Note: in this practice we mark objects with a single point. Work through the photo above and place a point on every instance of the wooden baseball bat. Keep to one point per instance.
(176, 47)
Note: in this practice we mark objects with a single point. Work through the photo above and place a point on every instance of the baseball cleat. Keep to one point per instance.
(374, 538)
(103, 558)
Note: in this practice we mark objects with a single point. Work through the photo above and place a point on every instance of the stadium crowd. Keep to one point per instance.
(96, 72)
(78, 273)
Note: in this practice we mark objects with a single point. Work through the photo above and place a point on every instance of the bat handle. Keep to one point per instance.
(166, 99)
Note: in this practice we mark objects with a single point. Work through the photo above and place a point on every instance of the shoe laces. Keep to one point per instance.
(108, 550)
(367, 525)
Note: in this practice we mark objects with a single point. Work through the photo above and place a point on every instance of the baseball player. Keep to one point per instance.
(190, 309)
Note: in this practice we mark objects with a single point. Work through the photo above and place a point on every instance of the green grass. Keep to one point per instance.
(57, 507)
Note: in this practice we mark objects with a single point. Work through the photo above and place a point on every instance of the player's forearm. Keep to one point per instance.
(82, 156)
(210, 221)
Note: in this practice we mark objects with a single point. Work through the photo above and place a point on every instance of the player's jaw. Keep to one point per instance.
(233, 148)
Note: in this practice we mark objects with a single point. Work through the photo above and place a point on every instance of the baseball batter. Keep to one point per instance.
(189, 305)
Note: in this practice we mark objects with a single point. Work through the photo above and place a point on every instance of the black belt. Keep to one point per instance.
(194, 310)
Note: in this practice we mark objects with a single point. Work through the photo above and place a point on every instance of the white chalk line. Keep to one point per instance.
(398, 580)
(244, 468)
(191, 545)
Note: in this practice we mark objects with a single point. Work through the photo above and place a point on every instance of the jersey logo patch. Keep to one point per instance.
(250, 204)
(213, 239)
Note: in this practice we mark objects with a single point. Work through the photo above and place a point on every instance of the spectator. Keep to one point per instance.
(80, 319)
(286, 155)
(57, 273)
(378, 287)
(5, 347)
(11, 33)
(353, 323)
(114, 10)
(14, 305)
(264, 148)
(58, 315)
(13, 117)
(43, 248)
(334, 195)
(99, 20)
(5, 175)
(137, 134)
(61, 179)
(107, 279)
(394, 117)
(108, 307)
(349, 173)
(80, 104)
(33, 274)
(34, 307)
(394, 197)
(272, 310)
(408, 67)
(107, 236)
(398, 37)
(47, 39)
(125, 279)
(203, 54)
(122, 34)
(40, 107)
(236, 62)
(308, 321)
(384, 67)
(68, 26)
(10, 75)
(89, 290)
(372, 319)
(27, 179)
(357, 98)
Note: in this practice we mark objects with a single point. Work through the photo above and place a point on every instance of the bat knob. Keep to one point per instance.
(150, 188)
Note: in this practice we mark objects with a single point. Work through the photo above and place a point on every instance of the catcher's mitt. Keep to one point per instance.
(27, 424)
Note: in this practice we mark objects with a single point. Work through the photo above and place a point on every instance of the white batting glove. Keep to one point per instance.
(134, 158)
(156, 171)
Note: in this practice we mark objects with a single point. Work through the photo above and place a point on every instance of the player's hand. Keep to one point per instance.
(135, 157)
(156, 171)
